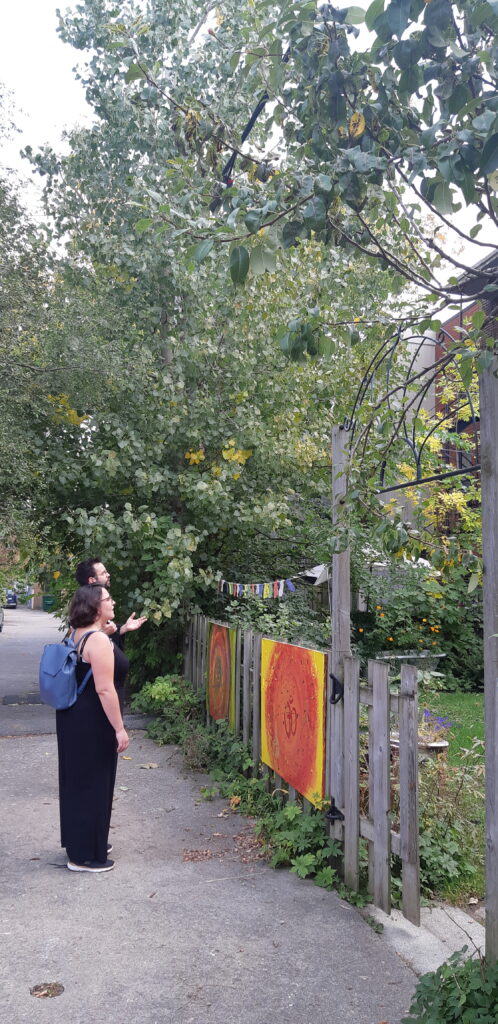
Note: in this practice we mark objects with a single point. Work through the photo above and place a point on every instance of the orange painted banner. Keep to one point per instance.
(220, 690)
(293, 687)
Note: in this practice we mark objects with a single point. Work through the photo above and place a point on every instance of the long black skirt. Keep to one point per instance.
(87, 773)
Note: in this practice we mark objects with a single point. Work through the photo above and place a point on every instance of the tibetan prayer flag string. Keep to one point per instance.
(274, 589)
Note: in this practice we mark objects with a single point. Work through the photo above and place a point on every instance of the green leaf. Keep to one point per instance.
(473, 583)
(253, 220)
(398, 16)
(143, 225)
(478, 318)
(323, 182)
(202, 250)
(373, 12)
(459, 97)
(291, 231)
(133, 73)
(239, 264)
(438, 14)
(469, 190)
(314, 213)
(354, 16)
(410, 80)
(258, 265)
(443, 198)
(489, 158)
(406, 53)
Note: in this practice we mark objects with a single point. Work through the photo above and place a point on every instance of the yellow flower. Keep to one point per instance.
(382, 616)
(194, 458)
(56, 574)
(424, 620)
(216, 470)
(378, 607)
(235, 476)
(391, 638)
(360, 629)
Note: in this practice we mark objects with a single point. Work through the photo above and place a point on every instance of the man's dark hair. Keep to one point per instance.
(85, 606)
(86, 569)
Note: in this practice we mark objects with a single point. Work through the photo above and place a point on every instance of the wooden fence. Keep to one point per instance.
(380, 784)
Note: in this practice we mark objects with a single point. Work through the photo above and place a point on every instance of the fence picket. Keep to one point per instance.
(351, 772)
(408, 793)
(203, 638)
(238, 679)
(380, 754)
(256, 702)
(246, 685)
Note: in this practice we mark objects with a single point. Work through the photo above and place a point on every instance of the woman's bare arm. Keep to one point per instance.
(100, 654)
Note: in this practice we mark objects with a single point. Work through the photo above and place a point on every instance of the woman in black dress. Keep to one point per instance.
(90, 734)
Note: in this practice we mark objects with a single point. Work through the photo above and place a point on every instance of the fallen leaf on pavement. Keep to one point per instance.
(151, 765)
(47, 989)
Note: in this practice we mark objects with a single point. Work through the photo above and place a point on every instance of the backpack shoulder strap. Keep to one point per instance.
(82, 640)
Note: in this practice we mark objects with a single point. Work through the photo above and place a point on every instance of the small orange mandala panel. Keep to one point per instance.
(221, 673)
(293, 715)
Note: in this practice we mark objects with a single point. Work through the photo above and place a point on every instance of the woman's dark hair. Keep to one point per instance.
(85, 605)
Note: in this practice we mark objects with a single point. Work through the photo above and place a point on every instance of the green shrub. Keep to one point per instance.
(290, 619)
(459, 992)
(452, 825)
(174, 705)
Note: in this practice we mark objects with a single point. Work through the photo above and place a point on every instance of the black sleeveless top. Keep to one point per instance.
(121, 666)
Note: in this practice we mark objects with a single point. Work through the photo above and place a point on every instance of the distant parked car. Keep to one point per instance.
(2, 616)
(11, 599)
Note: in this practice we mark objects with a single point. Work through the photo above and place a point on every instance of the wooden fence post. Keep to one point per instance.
(380, 754)
(488, 386)
(408, 793)
(341, 622)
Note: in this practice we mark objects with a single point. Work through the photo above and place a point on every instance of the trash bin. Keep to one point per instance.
(48, 602)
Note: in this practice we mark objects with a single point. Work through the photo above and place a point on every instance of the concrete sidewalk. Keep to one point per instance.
(191, 927)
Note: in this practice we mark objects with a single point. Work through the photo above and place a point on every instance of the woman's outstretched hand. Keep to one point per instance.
(122, 740)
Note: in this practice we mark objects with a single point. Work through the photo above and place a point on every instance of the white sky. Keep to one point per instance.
(37, 68)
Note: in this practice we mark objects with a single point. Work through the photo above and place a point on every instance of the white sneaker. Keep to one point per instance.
(91, 865)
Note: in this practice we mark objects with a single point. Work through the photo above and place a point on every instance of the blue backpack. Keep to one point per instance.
(57, 674)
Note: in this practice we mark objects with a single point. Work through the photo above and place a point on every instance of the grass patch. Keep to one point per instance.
(465, 711)
(452, 800)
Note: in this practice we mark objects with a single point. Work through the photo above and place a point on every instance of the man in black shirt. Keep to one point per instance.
(93, 570)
